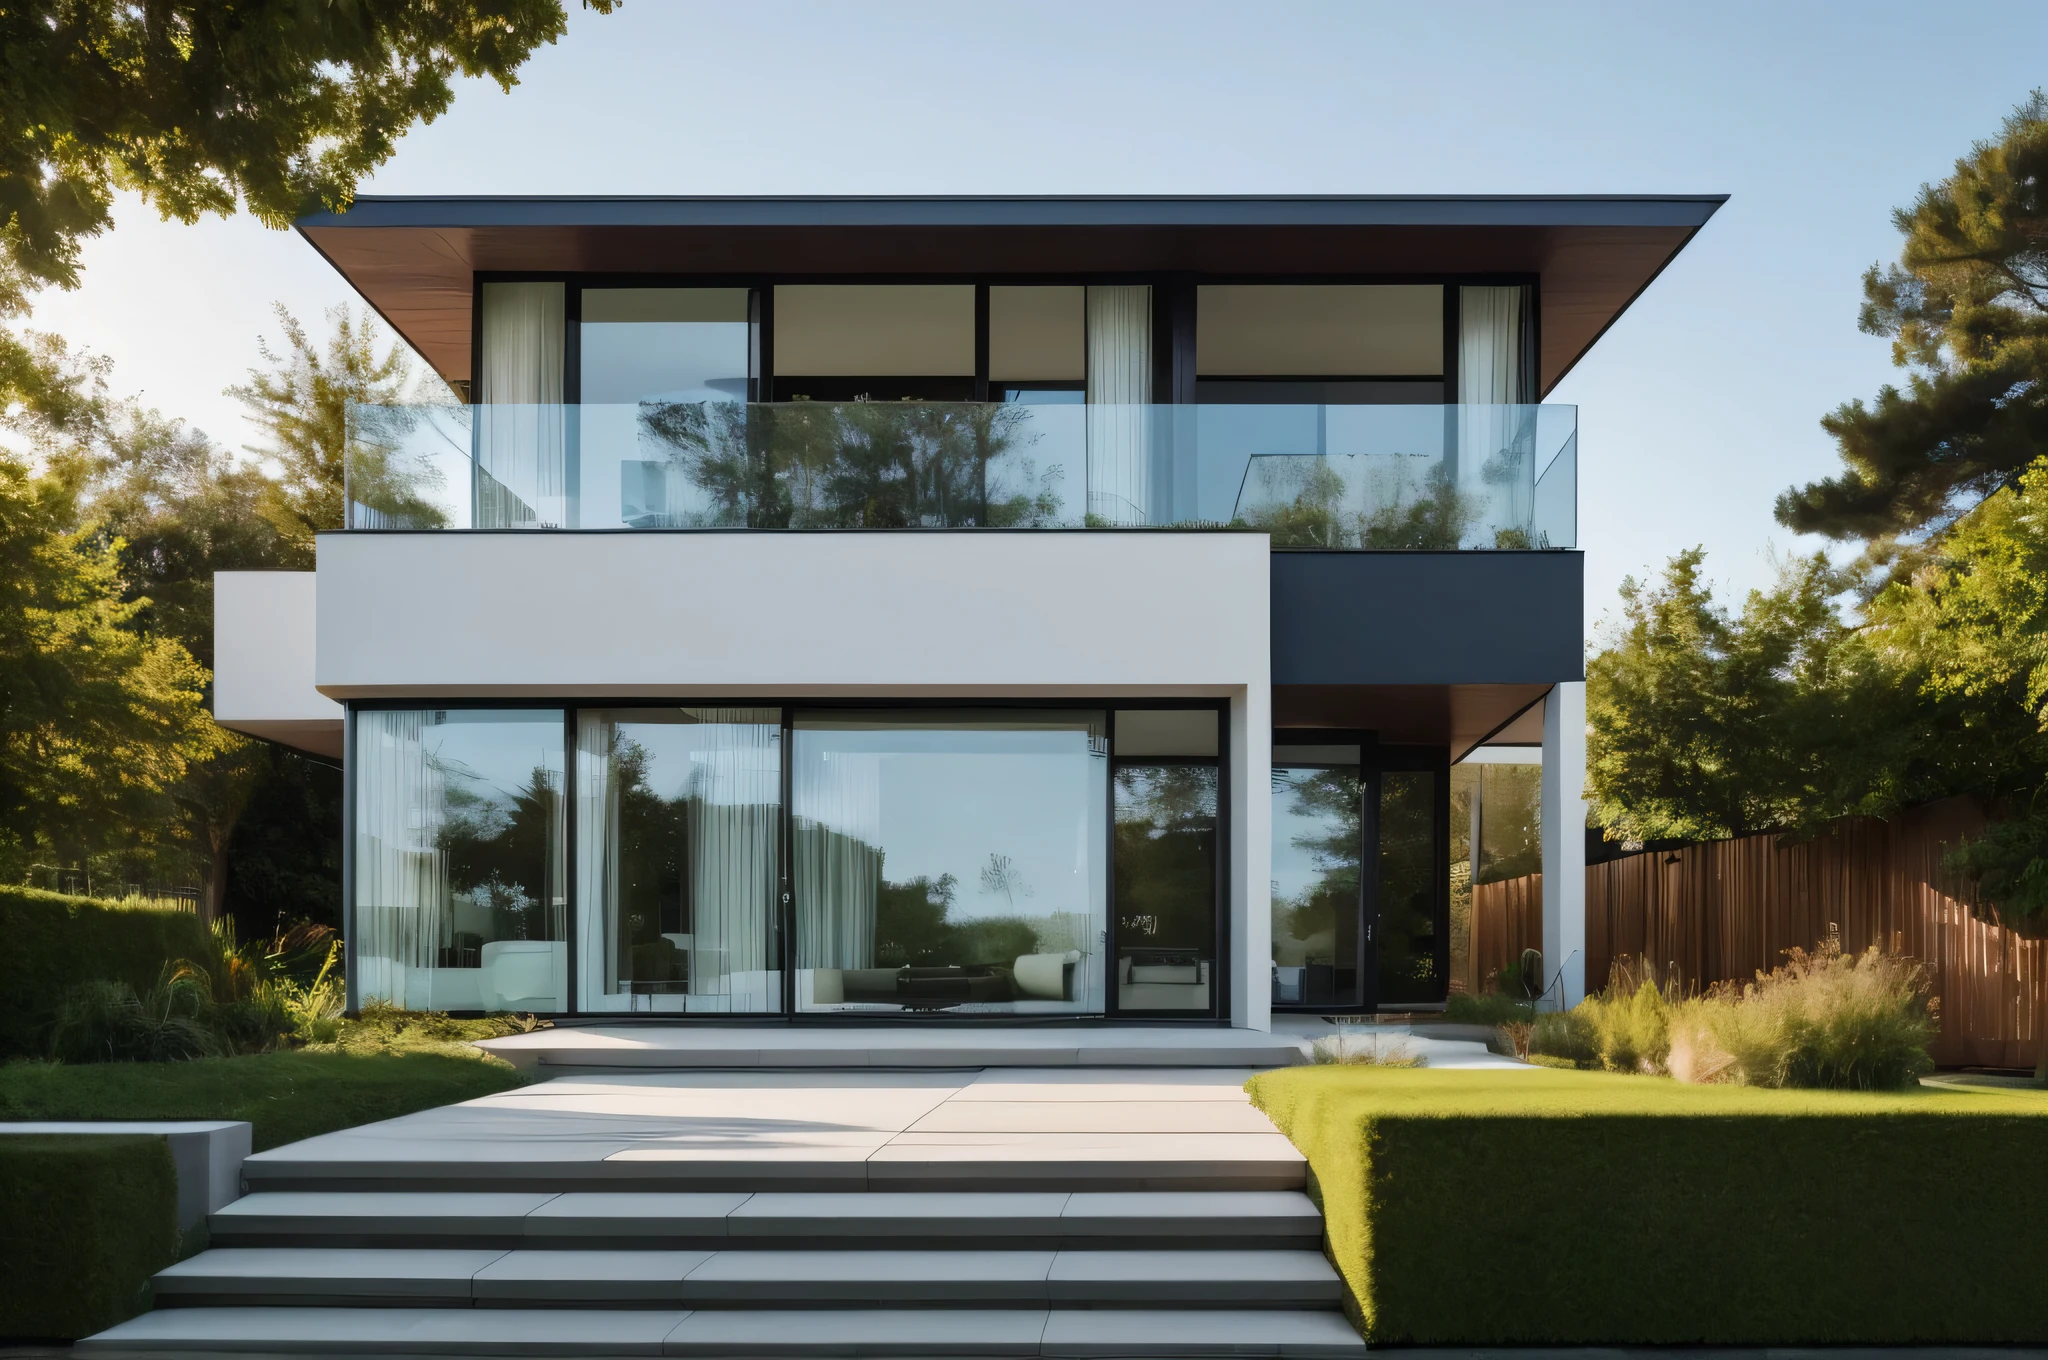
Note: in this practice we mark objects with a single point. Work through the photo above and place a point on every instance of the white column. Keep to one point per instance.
(1564, 838)
(1251, 858)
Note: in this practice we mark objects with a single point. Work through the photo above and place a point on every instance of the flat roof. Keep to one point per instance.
(412, 258)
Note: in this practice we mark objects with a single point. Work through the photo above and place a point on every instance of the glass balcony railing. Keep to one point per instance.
(1376, 477)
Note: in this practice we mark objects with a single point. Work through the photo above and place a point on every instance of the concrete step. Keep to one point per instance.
(738, 1219)
(907, 1161)
(1070, 1334)
(947, 1278)
(673, 1047)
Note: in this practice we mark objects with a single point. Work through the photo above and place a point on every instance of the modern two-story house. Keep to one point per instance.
(946, 609)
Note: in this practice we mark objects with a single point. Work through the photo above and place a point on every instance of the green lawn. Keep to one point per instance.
(286, 1096)
(1585, 1208)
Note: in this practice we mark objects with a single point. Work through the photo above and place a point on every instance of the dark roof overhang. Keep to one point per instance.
(413, 259)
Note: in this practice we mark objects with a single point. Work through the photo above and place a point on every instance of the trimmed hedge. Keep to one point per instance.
(84, 1223)
(54, 942)
(1574, 1208)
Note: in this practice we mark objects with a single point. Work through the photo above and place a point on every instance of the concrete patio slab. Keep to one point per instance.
(882, 1213)
(634, 1213)
(951, 1277)
(1263, 1278)
(860, 1331)
(1099, 1333)
(591, 1276)
(341, 1272)
(391, 1331)
(1094, 1116)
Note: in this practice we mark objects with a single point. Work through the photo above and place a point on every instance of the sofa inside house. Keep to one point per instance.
(1028, 977)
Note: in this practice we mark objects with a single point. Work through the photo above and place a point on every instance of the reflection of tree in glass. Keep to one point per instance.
(500, 849)
(1301, 503)
(857, 464)
(650, 849)
(1166, 855)
(1001, 877)
(913, 929)
(1409, 870)
(391, 483)
(1331, 802)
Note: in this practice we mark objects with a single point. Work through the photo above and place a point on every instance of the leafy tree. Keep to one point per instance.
(98, 722)
(1966, 308)
(1165, 860)
(1704, 725)
(302, 402)
(198, 106)
(1968, 636)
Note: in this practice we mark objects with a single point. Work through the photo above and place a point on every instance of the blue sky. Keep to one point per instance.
(1696, 409)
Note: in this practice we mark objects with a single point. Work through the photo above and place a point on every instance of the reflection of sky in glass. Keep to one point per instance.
(1295, 870)
(951, 798)
(730, 764)
(495, 752)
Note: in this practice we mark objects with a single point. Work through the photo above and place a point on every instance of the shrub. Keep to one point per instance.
(1492, 1009)
(1367, 1049)
(50, 944)
(109, 1022)
(1827, 1019)
(1566, 1037)
(1631, 1029)
(84, 1223)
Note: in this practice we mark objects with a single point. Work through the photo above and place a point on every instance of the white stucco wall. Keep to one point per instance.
(263, 629)
(800, 615)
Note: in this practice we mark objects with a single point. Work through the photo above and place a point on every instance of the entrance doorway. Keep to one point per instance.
(1360, 876)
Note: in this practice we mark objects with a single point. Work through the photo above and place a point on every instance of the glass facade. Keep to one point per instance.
(741, 860)
(949, 860)
(1318, 879)
(460, 896)
(678, 858)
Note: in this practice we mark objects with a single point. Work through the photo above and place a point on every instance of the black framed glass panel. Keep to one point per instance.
(460, 893)
(949, 860)
(678, 859)
(1410, 868)
(1318, 877)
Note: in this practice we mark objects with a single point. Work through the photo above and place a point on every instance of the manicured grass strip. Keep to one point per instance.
(84, 1223)
(286, 1096)
(1575, 1208)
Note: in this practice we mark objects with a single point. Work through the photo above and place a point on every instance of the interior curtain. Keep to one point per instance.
(1495, 441)
(734, 842)
(401, 871)
(521, 439)
(597, 852)
(1119, 332)
(837, 832)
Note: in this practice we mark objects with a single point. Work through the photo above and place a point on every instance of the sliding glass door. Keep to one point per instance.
(739, 860)
(678, 858)
(1360, 877)
(949, 860)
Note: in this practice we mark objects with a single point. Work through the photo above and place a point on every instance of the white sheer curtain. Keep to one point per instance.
(521, 441)
(836, 846)
(1119, 404)
(735, 835)
(719, 771)
(1494, 459)
(597, 857)
(401, 872)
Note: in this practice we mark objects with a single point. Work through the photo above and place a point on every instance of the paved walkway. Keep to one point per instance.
(821, 1130)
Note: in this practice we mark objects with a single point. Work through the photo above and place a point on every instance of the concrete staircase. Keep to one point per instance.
(1093, 1247)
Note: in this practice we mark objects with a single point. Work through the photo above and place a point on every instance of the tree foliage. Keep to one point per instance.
(201, 106)
(1966, 309)
(98, 720)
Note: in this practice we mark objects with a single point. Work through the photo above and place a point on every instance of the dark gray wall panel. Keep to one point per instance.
(1428, 618)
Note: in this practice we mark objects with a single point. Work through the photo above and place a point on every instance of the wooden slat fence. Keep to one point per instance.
(1727, 909)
